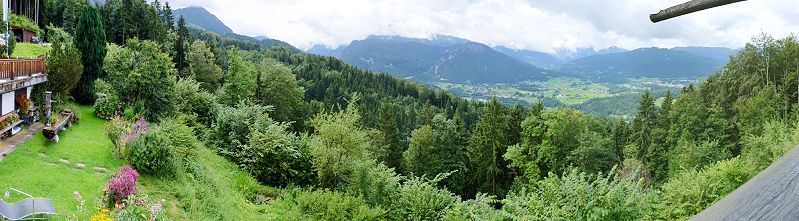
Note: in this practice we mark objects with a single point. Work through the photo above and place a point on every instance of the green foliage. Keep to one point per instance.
(274, 156)
(434, 150)
(127, 19)
(277, 86)
(690, 192)
(479, 208)
(108, 108)
(90, 41)
(152, 153)
(323, 205)
(195, 102)
(139, 72)
(485, 150)
(643, 124)
(11, 46)
(578, 196)
(203, 67)
(182, 140)
(63, 68)
(240, 83)
(232, 127)
(421, 200)
(387, 124)
(56, 34)
(688, 155)
(341, 144)
(180, 46)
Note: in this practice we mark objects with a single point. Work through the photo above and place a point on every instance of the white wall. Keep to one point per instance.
(30, 89)
(8, 102)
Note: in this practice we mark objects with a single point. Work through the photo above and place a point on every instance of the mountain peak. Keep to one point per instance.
(200, 18)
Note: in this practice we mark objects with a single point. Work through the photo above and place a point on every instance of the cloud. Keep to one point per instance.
(521, 24)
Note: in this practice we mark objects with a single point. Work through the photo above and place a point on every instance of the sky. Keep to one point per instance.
(539, 25)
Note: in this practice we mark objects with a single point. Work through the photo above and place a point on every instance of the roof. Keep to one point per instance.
(771, 195)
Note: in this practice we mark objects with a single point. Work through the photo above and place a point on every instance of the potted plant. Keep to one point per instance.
(24, 107)
(53, 119)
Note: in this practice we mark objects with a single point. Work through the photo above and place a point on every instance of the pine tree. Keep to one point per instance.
(387, 122)
(180, 48)
(169, 19)
(90, 40)
(486, 147)
(643, 123)
(658, 153)
(517, 115)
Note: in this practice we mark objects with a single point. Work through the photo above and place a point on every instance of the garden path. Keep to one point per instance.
(10, 144)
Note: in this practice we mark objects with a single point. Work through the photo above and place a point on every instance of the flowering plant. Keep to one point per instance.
(121, 185)
(24, 104)
(108, 108)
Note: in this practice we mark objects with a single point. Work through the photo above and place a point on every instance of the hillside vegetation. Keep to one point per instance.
(231, 129)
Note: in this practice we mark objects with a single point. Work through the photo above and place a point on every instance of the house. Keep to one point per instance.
(23, 34)
(17, 77)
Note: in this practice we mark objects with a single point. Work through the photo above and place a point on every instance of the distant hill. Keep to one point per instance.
(477, 63)
(432, 60)
(717, 53)
(261, 37)
(198, 17)
(642, 62)
(539, 59)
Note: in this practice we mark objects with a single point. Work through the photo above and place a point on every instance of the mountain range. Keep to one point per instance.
(441, 58)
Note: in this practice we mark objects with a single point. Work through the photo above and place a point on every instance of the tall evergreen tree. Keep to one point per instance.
(517, 115)
(486, 147)
(658, 153)
(90, 40)
(169, 18)
(387, 123)
(643, 123)
(180, 49)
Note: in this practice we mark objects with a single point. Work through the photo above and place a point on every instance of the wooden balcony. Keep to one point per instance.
(20, 73)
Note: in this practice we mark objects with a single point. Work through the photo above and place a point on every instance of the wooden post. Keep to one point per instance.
(47, 100)
(687, 8)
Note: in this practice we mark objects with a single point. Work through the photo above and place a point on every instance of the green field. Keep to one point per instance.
(28, 50)
(564, 89)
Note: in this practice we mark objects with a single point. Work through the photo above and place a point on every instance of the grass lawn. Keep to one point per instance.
(28, 50)
(51, 170)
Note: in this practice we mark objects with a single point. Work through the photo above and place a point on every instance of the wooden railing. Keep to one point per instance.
(13, 68)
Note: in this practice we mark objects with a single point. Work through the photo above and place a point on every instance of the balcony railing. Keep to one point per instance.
(13, 68)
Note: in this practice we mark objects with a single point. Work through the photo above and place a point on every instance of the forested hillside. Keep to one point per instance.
(644, 62)
(315, 138)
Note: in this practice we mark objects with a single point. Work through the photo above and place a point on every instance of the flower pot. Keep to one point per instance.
(25, 118)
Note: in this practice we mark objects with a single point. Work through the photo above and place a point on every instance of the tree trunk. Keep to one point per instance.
(687, 8)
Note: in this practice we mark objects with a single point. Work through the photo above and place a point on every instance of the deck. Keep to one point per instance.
(21, 73)
(771, 195)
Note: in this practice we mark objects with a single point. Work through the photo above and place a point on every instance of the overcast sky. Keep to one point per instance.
(541, 25)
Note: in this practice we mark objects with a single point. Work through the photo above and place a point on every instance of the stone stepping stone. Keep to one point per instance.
(100, 168)
(81, 165)
(51, 164)
(64, 161)
(42, 155)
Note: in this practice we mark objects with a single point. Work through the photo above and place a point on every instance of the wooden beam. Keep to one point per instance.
(687, 8)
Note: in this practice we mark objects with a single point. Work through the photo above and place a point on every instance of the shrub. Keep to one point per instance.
(152, 154)
(64, 68)
(182, 139)
(274, 156)
(323, 205)
(121, 185)
(693, 190)
(77, 113)
(108, 108)
(232, 127)
(123, 132)
(578, 196)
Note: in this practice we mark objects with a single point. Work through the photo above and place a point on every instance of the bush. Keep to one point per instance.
(578, 196)
(152, 154)
(64, 68)
(690, 192)
(232, 127)
(121, 186)
(182, 138)
(108, 108)
(323, 205)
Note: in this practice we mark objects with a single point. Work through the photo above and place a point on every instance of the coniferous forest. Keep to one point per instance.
(320, 139)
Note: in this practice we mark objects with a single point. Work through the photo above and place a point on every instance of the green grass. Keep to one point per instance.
(28, 50)
(84, 142)
(215, 189)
